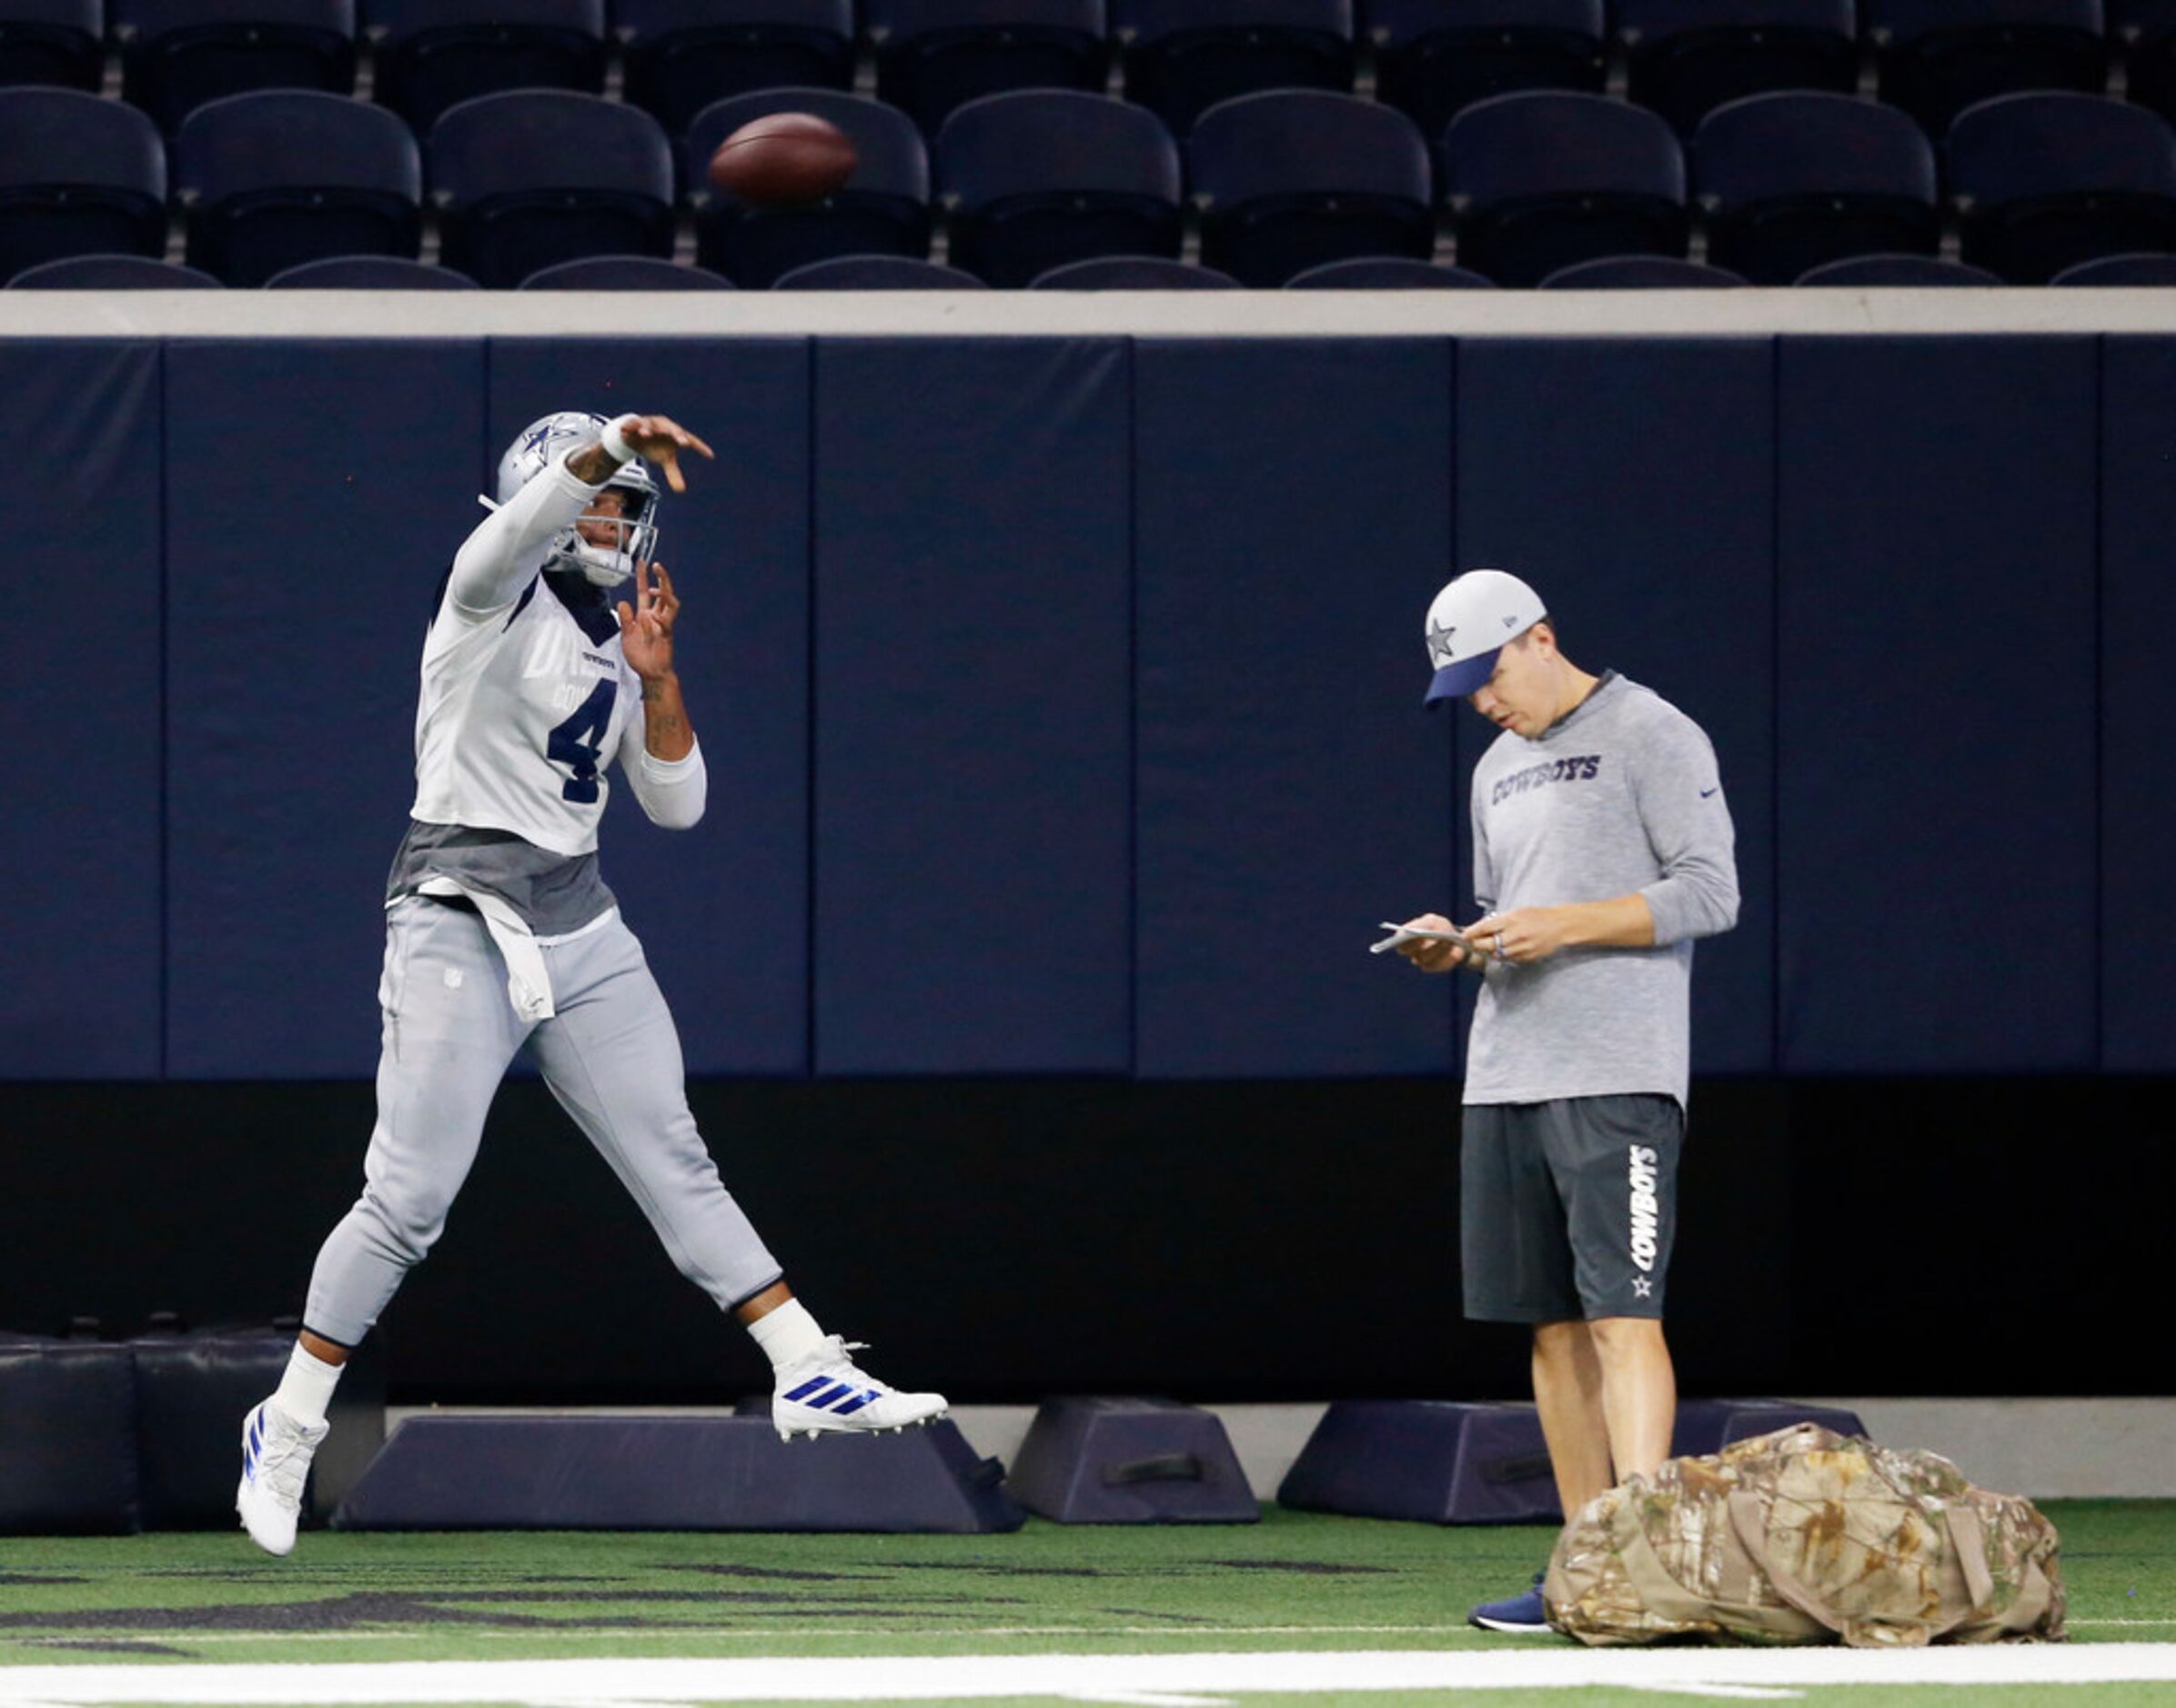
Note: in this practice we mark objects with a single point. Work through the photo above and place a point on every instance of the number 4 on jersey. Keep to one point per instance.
(579, 743)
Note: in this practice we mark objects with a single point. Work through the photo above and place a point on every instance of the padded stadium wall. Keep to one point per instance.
(1058, 665)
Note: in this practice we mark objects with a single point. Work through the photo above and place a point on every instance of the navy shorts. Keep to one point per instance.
(1567, 1209)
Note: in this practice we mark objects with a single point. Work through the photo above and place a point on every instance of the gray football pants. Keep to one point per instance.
(611, 1057)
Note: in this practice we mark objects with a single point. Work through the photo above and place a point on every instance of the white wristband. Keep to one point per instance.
(614, 442)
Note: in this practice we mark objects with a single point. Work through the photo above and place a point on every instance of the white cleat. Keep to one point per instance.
(276, 1461)
(828, 1392)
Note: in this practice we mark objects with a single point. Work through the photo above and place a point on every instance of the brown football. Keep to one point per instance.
(782, 160)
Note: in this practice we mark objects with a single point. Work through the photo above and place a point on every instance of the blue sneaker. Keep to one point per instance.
(1524, 1613)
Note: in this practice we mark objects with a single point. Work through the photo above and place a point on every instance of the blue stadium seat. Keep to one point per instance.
(883, 209)
(78, 176)
(1183, 57)
(1387, 273)
(56, 42)
(176, 55)
(623, 273)
(532, 176)
(934, 55)
(1434, 58)
(1132, 273)
(432, 55)
(1290, 179)
(112, 273)
(1684, 58)
(370, 273)
(2131, 271)
(1541, 180)
(280, 177)
(1916, 272)
(683, 55)
(1790, 181)
(1938, 57)
(1043, 177)
(876, 272)
(2149, 34)
(2043, 182)
(1641, 273)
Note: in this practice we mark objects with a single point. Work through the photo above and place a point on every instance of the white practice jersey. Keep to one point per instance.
(522, 712)
(518, 720)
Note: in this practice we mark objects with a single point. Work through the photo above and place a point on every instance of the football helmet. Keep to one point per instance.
(544, 442)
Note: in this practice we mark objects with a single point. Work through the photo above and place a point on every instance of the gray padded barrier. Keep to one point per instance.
(607, 1472)
(1130, 1462)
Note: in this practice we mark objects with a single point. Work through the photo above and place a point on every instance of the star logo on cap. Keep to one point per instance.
(1439, 646)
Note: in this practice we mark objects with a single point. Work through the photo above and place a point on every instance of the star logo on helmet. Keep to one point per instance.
(1439, 645)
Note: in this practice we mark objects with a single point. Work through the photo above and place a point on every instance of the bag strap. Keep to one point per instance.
(1748, 1517)
(2036, 1591)
(1663, 1595)
(1968, 1541)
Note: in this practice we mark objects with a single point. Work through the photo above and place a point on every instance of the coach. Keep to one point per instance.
(1602, 848)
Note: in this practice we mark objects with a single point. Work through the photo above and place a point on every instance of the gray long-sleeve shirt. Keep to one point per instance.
(1621, 795)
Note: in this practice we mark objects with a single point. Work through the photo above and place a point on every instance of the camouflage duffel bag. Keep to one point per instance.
(1807, 1536)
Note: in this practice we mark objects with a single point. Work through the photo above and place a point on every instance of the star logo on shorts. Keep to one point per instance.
(1439, 645)
(1642, 1287)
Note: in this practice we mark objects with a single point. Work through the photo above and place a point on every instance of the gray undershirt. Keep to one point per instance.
(553, 893)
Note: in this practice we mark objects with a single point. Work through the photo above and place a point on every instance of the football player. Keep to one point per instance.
(501, 934)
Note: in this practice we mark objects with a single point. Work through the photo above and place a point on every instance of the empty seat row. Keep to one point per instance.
(1124, 273)
(1284, 181)
(1430, 58)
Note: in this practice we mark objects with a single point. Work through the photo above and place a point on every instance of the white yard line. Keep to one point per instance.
(1094, 1677)
(771, 1631)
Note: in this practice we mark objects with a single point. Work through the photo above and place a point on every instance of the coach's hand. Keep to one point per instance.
(1427, 954)
(1520, 936)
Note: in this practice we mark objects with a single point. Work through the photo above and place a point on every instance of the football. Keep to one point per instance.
(783, 160)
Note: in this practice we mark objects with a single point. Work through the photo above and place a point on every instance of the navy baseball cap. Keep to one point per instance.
(1471, 620)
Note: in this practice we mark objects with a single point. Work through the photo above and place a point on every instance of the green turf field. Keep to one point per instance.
(1297, 1585)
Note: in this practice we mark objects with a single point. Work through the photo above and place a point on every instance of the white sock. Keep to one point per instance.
(787, 1334)
(307, 1389)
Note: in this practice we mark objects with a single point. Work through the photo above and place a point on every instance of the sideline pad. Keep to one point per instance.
(1090, 1460)
(1444, 1462)
(1134, 1678)
(706, 1473)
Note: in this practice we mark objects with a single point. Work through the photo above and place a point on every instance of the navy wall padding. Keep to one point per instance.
(1060, 697)
(721, 909)
(1630, 482)
(1294, 501)
(974, 699)
(2137, 767)
(317, 492)
(1936, 737)
(79, 693)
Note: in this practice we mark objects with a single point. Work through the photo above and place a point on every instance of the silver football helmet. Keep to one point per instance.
(542, 443)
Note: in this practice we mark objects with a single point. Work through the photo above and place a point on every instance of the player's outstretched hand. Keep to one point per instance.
(660, 439)
(1426, 952)
(646, 626)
